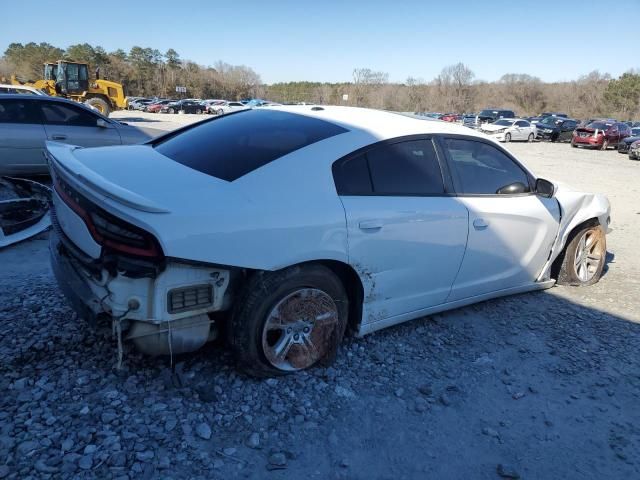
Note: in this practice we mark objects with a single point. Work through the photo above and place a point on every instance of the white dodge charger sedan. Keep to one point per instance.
(287, 225)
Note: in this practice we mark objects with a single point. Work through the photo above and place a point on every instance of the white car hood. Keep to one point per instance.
(492, 128)
(575, 208)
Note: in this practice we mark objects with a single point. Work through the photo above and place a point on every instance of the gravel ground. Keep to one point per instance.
(542, 385)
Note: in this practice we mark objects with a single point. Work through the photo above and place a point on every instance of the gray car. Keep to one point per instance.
(26, 122)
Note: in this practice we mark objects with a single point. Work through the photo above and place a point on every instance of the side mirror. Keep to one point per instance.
(100, 123)
(545, 188)
(512, 189)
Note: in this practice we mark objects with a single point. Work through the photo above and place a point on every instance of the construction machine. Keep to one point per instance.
(70, 79)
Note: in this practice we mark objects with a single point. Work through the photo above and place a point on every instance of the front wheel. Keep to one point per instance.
(605, 145)
(198, 111)
(584, 257)
(530, 138)
(288, 320)
(507, 137)
(171, 110)
(220, 112)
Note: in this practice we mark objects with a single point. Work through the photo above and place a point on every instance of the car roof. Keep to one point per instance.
(379, 123)
(23, 87)
(47, 98)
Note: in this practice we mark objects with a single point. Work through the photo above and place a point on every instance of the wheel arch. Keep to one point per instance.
(557, 262)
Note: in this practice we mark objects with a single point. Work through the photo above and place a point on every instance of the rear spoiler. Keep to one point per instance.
(61, 159)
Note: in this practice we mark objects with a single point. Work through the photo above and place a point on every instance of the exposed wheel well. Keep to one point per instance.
(353, 286)
(557, 263)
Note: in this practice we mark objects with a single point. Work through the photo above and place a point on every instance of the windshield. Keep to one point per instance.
(551, 121)
(599, 125)
(488, 113)
(505, 123)
(635, 131)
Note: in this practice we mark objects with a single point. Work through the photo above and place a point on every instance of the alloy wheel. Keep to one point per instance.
(589, 255)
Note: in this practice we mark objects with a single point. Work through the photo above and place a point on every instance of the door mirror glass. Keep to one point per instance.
(545, 188)
(101, 123)
(513, 189)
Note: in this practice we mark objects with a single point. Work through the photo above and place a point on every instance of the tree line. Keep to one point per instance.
(147, 71)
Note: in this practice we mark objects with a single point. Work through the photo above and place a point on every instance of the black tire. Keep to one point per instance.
(573, 144)
(220, 112)
(567, 271)
(530, 137)
(507, 137)
(554, 137)
(262, 293)
(171, 110)
(605, 144)
(100, 104)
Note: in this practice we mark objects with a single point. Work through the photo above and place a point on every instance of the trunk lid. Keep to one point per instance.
(136, 176)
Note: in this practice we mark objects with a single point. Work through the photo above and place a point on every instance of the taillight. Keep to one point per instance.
(107, 230)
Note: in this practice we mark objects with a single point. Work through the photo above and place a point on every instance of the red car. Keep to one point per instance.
(600, 134)
(155, 107)
(449, 117)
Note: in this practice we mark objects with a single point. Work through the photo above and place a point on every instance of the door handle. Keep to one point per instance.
(480, 224)
(370, 225)
(58, 137)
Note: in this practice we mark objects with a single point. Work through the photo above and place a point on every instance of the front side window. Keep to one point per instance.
(18, 111)
(233, 145)
(482, 169)
(522, 123)
(408, 168)
(63, 114)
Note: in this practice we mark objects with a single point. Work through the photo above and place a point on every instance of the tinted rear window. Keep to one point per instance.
(234, 145)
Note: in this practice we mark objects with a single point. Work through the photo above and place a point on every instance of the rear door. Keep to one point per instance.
(406, 234)
(68, 123)
(510, 234)
(22, 138)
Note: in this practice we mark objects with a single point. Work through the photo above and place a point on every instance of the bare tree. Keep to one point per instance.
(455, 87)
(525, 91)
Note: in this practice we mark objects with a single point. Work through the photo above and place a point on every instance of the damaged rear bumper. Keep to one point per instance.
(162, 315)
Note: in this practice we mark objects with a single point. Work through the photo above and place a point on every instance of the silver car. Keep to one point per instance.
(26, 122)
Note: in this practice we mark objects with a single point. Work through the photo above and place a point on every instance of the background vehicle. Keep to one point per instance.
(71, 80)
(556, 129)
(228, 107)
(186, 106)
(377, 235)
(600, 134)
(207, 104)
(156, 106)
(488, 115)
(625, 143)
(634, 150)
(505, 130)
(20, 89)
(450, 117)
(26, 122)
(141, 103)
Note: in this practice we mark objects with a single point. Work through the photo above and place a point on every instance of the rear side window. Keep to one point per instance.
(404, 169)
(481, 169)
(63, 114)
(18, 111)
(234, 145)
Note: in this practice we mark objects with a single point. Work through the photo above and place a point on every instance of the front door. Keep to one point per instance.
(510, 234)
(68, 123)
(406, 237)
(22, 138)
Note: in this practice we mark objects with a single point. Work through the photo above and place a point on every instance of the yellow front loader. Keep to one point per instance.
(71, 80)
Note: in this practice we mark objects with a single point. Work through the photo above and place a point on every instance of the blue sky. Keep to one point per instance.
(324, 40)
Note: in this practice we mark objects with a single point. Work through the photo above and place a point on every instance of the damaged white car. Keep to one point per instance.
(290, 224)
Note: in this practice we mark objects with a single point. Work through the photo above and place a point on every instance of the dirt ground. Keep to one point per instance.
(541, 385)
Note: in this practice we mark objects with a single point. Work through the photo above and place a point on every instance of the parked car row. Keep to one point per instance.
(192, 105)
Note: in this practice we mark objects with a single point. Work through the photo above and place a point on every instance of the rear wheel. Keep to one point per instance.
(99, 104)
(288, 320)
(530, 137)
(171, 110)
(584, 257)
(198, 111)
(507, 137)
